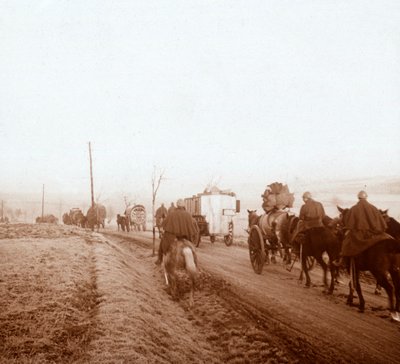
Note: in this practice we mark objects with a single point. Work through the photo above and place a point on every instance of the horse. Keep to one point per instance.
(313, 243)
(273, 227)
(180, 255)
(379, 259)
(123, 222)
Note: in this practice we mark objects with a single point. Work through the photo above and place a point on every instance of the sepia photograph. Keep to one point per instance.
(200, 181)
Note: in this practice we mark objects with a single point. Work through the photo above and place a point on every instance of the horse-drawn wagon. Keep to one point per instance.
(137, 217)
(270, 234)
(213, 211)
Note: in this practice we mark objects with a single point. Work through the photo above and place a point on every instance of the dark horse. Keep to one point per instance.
(313, 243)
(379, 259)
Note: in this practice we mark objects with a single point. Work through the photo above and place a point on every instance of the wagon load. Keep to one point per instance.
(277, 196)
(75, 216)
(96, 216)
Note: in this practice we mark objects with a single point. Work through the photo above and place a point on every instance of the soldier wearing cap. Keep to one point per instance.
(312, 212)
(364, 223)
(311, 215)
(178, 224)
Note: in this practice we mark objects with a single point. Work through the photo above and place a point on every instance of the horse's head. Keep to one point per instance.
(253, 217)
(385, 215)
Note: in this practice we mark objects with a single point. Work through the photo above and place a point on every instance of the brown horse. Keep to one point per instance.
(180, 255)
(314, 243)
(379, 259)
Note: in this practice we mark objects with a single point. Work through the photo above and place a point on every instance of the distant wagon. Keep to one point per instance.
(75, 216)
(96, 216)
(137, 217)
(213, 211)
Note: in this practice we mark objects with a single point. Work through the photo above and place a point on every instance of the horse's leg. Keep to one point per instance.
(350, 296)
(378, 290)
(395, 274)
(305, 269)
(361, 306)
(383, 281)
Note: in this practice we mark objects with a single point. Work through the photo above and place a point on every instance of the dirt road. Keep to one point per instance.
(310, 325)
(70, 295)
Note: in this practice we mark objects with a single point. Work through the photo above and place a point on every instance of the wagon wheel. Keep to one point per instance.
(256, 249)
(228, 239)
(212, 238)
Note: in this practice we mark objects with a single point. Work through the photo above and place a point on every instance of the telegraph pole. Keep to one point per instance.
(91, 174)
(42, 203)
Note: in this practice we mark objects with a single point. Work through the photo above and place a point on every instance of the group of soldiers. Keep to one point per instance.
(364, 222)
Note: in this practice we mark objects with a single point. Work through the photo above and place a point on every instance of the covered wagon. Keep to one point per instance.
(96, 216)
(137, 217)
(213, 211)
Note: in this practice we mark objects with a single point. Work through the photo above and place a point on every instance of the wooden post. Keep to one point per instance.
(91, 174)
(42, 203)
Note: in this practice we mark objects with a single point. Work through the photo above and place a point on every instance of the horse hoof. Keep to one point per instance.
(395, 316)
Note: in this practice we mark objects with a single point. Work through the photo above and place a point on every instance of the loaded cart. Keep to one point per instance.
(213, 211)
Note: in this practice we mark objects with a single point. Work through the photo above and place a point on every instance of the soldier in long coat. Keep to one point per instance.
(178, 224)
(365, 226)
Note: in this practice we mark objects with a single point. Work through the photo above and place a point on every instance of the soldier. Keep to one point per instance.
(178, 224)
(311, 215)
(364, 224)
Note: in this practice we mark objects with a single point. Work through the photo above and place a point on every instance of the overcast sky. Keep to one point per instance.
(239, 92)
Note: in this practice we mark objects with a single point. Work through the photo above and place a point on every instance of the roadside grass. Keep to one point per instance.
(48, 299)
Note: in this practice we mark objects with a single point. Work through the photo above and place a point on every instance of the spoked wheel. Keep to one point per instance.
(212, 238)
(256, 249)
(228, 239)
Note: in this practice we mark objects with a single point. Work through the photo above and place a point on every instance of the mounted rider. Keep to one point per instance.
(364, 225)
(311, 216)
(178, 224)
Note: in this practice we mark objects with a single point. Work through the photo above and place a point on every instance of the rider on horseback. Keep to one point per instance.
(311, 216)
(365, 226)
(178, 224)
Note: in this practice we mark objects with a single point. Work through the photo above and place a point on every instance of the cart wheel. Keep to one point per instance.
(228, 239)
(212, 238)
(256, 249)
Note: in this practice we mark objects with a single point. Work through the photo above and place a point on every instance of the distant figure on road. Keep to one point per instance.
(161, 214)
(171, 208)
(178, 224)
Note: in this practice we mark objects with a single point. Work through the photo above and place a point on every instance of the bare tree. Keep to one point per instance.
(156, 178)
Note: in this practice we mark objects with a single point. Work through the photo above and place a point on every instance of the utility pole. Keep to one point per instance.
(43, 203)
(91, 175)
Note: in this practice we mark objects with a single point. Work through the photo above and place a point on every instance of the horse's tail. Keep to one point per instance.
(190, 261)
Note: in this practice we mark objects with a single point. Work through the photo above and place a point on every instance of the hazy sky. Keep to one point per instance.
(234, 91)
